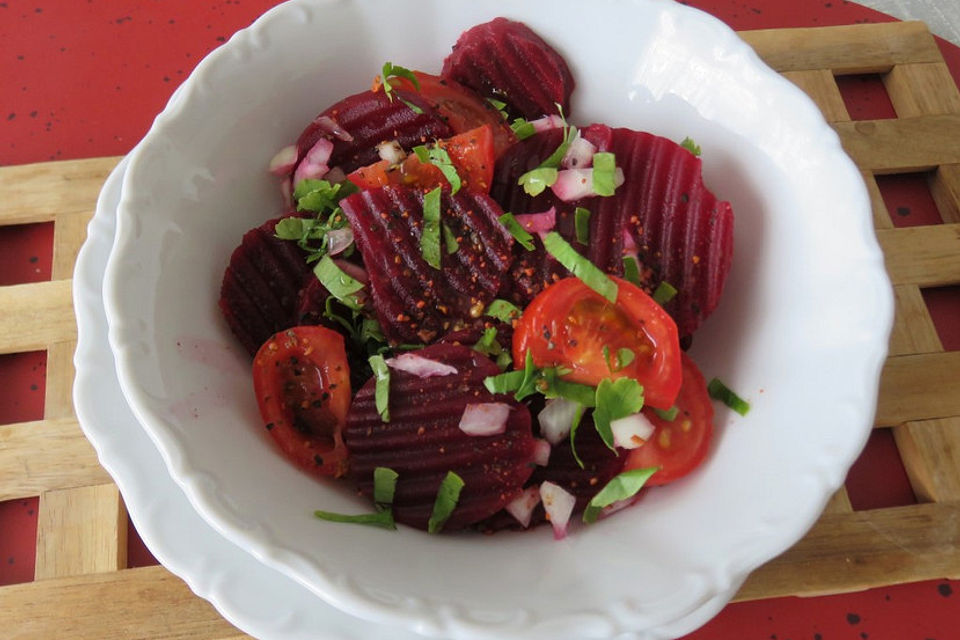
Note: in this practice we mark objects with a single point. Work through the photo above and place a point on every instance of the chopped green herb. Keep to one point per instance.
(504, 382)
(382, 393)
(691, 146)
(604, 173)
(580, 393)
(430, 236)
(723, 393)
(500, 106)
(320, 195)
(488, 344)
(384, 485)
(577, 416)
(522, 128)
(623, 359)
(439, 158)
(664, 293)
(528, 385)
(370, 329)
(631, 270)
(582, 222)
(391, 70)
(580, 266)
(615, 399)
(446, 501)
(569, 133)
(520, 234)
(339, 284)
(503, 311)
(504, 360)
(290, 228)
(450, 240)
(622, 487)
(669, 415)
(382, 519)
(536, 181)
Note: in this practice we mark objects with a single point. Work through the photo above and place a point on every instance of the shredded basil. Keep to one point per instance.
(488, 344)
(450, 240)
(382, 519)
(615, 399)
(664, 293)
(430, 235)
(504, 382)
(719, 391)
(519, 234)
(339, 284)
(382, 392)
(522, 128)
(439, 158)
(391, 70)
(384, 485)
(669, 415)
(447, 497)
(502, 310)
(631, 271)
(624, 486)
(604, 173)
(580, 266)
(582, 223)
(691, 146)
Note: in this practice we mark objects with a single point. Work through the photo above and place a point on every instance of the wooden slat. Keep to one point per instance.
(36, 315)
(69, 233)
(905, 145)
(41, 456)
(839, 502)
(134, 604)
(913, 329)
(852, 552)
(931, 455)
(919, 387)
(881, 217)
(922, 89)
(39, 192)
(847, 49)
(58, 398)
(945, 188)
(821, 86)
(927, 256)
(81, 531)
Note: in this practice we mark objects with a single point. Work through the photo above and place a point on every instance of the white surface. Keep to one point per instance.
(805, 320)
(942, 16)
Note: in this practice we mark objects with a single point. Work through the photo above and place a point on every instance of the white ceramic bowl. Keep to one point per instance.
(801, 331)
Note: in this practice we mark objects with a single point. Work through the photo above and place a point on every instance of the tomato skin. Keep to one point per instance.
(471, 153)
(460, 107)
(678, 447)
(302, 383)
(568, 324)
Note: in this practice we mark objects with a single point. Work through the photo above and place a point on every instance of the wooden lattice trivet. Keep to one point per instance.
(83, 589)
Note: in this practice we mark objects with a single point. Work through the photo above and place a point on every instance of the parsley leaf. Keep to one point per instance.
(691, 146)
(582, 223)
(519, 234)
(339, 284)
(446, 501)
(624, 486)
(438, 157)
(580, 266)
(615, 399)
(502, 310)
(382, 393)
(430, 235)
(664, 293)
(384, 485)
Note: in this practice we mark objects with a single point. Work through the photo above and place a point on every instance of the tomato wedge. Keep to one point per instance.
(470, 152)
(460, 107)
(302, 382)
(570, 325)
(678, 446)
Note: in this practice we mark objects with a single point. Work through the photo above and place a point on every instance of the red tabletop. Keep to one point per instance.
(84, 78)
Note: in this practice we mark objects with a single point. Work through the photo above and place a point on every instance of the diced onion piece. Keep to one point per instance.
(354, 271)
(420, 366)
(547, 122)
(391, 151)
(556, 419)
(538, 222)
(573, 184)
(286, 193)
(338, 240)
(283, 162)
(486, 419)
(558, 503)
(329, 125)
(631, 432)
(629, 244)
(314, 164)
(523, 505)
(541, 452)
(579, 154)
(619, 505)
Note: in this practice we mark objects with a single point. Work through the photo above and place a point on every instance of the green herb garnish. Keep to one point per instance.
(580, 266)
(582, 222)
(604, 174)
(500, 106)
(446, 501)
(391, 70)
(523, 129)
(439, 158)
(382, 519)
(621, 360)
(505, 382)
(624, 486)
(691, 146)
(519, 234)
(615, 399)
(382, 393)
(664, 293)
(669, 415)
(631, 271)
(339, 284)
(384, 485)
(503, 311)
(449, 240)
(430, 235)
(723, 393)
(536, 181)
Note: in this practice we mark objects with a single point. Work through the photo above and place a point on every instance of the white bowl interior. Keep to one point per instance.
(801, 330)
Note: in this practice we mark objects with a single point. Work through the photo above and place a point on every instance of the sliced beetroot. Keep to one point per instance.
(506, 60)
(471, 335)
(370, 118)
(414, 302)
(423, 441)
(260, 290)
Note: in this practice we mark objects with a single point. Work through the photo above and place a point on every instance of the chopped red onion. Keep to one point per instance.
(283, 162)
(338, 240)
(420, 366)
(579, 154)
(558, 503)
(619, 505)
(573, 184)
(391, 151)
(541, 452)
(629, 244)
(286, 193)
(556, 419)
(523, 505)
(547, 122)
(314, 164)
(631, 432)
(538, 222)
(354, 271)
(329, 125)
(487, 419)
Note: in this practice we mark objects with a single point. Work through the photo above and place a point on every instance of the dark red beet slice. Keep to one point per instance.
(414, 302)
(423, 441)
(260, 289)
(507, 60)
(371, 118)
(471, 335)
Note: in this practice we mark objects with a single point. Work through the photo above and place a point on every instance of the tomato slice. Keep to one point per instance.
(680, 445)
(471, 153)
(302, 382)
(460, 107)
(570, 325)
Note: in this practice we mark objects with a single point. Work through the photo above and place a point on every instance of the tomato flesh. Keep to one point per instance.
(471, 153)
(570, 325)
(678, 446)
(302, 383)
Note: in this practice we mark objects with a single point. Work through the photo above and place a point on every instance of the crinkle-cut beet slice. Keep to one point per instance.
(260, 290)
(600, 466)
(414, 302)
(423, 441)
(471, 335)
(683, 233)
(507, 60)
(371, 118)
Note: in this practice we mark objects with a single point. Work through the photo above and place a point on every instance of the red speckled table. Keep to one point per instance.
(84, 78)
